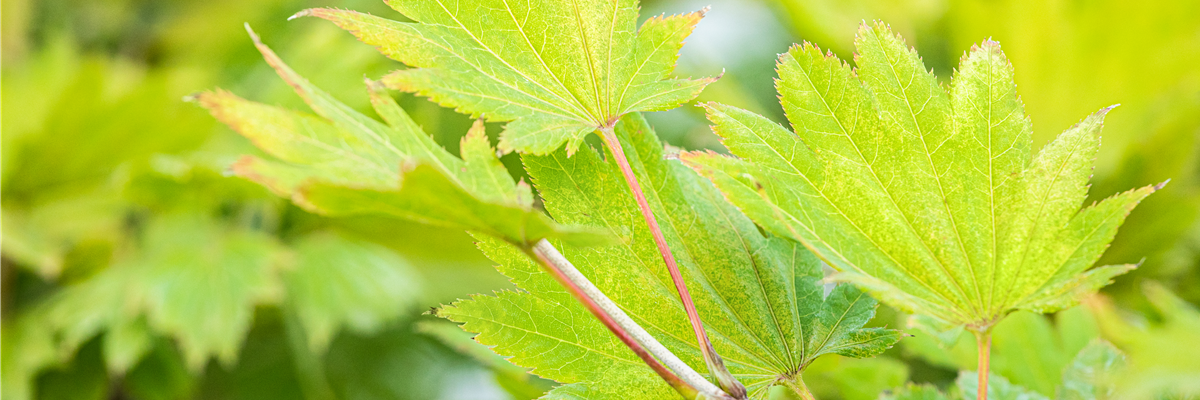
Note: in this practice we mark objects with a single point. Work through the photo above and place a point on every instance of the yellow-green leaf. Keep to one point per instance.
(927, 198)
(557, 70)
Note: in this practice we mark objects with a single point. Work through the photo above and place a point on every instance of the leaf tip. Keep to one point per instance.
(1162, 184)
(308, 12)
(253, 36)
(1104, 111)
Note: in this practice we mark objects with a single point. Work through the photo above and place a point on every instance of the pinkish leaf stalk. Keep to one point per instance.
(675, 372)
(716, 366)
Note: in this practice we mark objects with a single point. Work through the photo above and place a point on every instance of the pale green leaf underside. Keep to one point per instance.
(761, 298)
(557, 70)
(342, 162)
(926, 198)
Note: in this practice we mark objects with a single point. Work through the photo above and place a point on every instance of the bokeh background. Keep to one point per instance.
(134, 268)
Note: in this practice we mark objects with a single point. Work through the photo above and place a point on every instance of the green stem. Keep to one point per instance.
(798, 387)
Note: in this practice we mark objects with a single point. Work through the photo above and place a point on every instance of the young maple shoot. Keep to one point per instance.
(766, 308)
(926, 198)
(343, 162)
(555, 71)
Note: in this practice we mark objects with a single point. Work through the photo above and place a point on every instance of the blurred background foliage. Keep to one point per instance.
(133, 267)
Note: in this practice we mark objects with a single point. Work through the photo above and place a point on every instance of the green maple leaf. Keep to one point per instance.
(342, 162)
(557, 69)
(192, 280)
(762, 297)
(928, 199)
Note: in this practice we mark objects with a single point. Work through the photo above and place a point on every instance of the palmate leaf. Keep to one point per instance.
(192, 280)
(557, 70)
(342, 162)
(762, 297)
(929, 199)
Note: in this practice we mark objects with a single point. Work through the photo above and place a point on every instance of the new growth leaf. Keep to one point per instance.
(927, 198)
(558, 70)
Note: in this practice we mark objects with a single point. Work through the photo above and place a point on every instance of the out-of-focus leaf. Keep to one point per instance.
(82, 378)
(194, 280)
(1027, 348)
(346, 163)
(516, 380)
(557, 70)
(203, 282)
(397, 363)
(1092, 374)
(854, 379)
(30, 248)
(998, 388)
(160, 375)
(762, 297)
(915, 392)
(27, 348)
(926, 198)
(338, 282)
(1161, 354)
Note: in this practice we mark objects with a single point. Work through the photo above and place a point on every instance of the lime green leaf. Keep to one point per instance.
(556, 70)
(338, 282)
(998, 388)
(1030, 350)
(28, 347)
(202, 283)
(31, 247)
(915, 392)
(125, 343)
(928, 199)
(854, 379)
(1161, 355)
(1092, 374)
(342, 162)
(763, 297)
(516, 380)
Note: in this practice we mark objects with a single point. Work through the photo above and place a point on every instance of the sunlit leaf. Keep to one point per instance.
(342, 162)
(928, 199)
(557, 70)
(764, 304)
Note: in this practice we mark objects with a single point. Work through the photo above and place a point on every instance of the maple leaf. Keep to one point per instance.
(763, 295)
(927, 199)
(192, 280)
(342, 162)
(557, 70)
